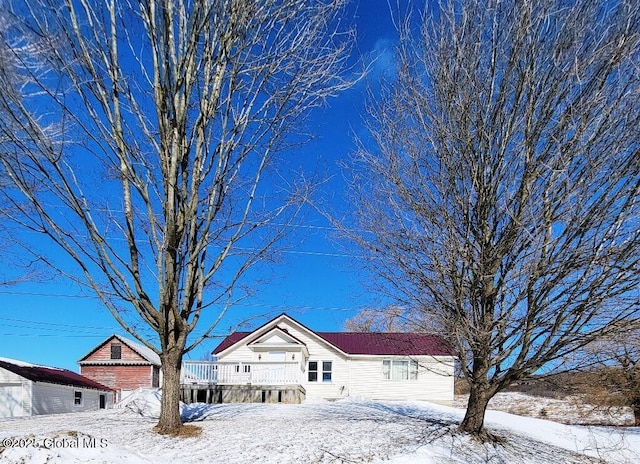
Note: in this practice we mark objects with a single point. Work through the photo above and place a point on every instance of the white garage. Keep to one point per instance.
(28, 389)
(10, 400)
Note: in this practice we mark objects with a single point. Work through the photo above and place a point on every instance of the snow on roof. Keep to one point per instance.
(144, 351)
(16, 362)
(46, 374)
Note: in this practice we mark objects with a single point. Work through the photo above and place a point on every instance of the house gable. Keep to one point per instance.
(344, 343)
(277, 339)
(117, 350)
(276, 336)
(283, 327)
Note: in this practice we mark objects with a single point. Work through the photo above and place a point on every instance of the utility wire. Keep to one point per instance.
(301, 307)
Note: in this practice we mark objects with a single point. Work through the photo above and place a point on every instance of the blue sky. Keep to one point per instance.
(317, 281)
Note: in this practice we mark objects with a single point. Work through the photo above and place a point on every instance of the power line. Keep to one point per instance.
(49, 335)
(300, 307)
(57, 324)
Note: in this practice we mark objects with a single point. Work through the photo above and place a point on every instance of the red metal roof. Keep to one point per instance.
(392, 344)
(232, 339)
(52, 375)
(371, 343)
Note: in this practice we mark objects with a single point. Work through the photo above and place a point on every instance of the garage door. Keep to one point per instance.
(11, 400)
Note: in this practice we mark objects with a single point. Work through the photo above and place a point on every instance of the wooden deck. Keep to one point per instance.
(263, 382)
(260, 373)
(215, 394)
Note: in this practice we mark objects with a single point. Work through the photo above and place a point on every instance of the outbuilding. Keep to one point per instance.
(123, 365)
(29, 389)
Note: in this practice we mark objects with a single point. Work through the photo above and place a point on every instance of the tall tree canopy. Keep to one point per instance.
(498, 194)
(144, 139)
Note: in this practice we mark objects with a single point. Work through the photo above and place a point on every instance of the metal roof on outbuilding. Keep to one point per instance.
(46, 374)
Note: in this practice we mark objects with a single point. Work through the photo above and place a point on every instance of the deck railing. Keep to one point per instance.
(271, 373)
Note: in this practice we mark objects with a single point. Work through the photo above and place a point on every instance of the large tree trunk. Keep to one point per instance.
(473, 421)
(170, 421)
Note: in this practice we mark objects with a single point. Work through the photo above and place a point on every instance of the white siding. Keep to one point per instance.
(359, 375)
(339, 385)
(321, 351)
(55, 399)
(10, 380)
(11, 400)
(434, 383)
(240, 354)
(9, 377)
(318, 351)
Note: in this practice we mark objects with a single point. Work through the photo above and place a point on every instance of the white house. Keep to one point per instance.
(28, 389)
(330, 365)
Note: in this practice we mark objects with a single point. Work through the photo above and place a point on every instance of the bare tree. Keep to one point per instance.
(17, 267)
(499, 191)
(614, 368)
(389, 319)
(154, 132)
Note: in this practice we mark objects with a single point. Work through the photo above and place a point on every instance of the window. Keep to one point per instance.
(326, 371)
(116, 351)
(313, 371)
(246, 368)
(77, 398)
(399, 370)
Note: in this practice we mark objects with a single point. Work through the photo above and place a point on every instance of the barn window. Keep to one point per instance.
(77, 398)
(116, 351)
(399, 370)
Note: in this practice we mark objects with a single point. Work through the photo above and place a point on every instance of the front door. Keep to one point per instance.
(277, 369)
(277, 356)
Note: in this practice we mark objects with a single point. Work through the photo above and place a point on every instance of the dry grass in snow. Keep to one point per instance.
(572, 410)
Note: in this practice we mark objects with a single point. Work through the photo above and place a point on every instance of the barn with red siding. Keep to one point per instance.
(123, 365)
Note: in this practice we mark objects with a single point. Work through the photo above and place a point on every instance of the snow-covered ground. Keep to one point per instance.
(348, 431)
(568, 410)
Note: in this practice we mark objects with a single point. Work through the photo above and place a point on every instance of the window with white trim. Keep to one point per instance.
(77, 398)
(315, 368)
(399, 369)
(326, 371)
(312, 371)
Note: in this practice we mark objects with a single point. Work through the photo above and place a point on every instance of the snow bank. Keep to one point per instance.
(144, 402)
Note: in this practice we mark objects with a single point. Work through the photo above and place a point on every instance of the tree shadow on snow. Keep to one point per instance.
(196, 412)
